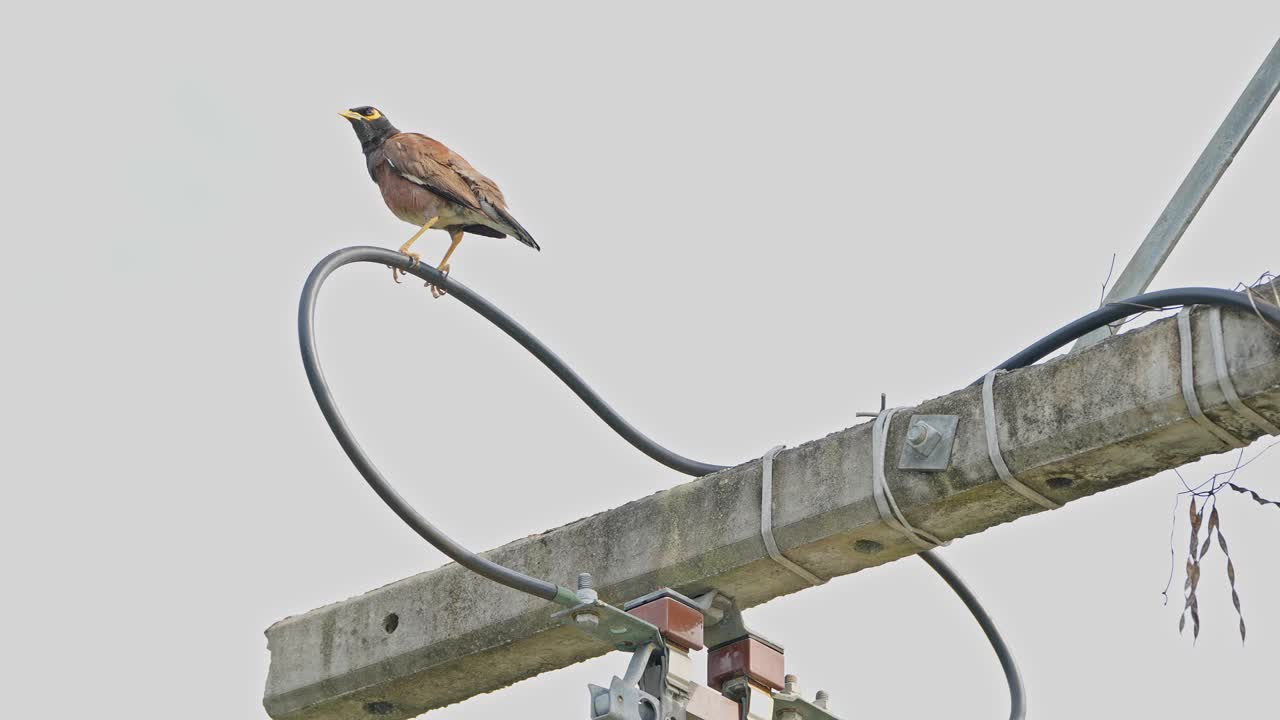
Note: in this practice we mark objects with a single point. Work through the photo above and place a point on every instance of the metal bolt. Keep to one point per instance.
(586, 589)
(821, 699)
(792, 684)
(923, 437)
(587, 620)
(917, 434)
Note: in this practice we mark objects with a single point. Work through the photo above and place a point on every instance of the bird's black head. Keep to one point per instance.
(371, 126)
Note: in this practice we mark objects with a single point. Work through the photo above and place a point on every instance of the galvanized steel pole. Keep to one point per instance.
(1195, 188)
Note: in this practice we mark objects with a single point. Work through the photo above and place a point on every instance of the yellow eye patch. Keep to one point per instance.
(352, 115)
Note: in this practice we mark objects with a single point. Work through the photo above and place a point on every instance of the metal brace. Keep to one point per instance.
(622, 630)
(642, 692)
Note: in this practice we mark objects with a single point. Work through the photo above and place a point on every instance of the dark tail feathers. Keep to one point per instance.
(521, 234)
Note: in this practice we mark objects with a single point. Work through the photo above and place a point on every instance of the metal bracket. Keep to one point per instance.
(930, 439)
(622, 701)
(661, 593)
(627, 697)
(643, 692)
(787, 706)
(724, 620)
(622, 630)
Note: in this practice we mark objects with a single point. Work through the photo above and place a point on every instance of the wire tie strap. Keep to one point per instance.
(1189, 383)
(993, 446)
(766, 521)
(888, 507)
(1224, 376)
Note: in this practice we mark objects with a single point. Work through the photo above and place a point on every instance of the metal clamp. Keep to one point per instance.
(624, 699)
(642, 692)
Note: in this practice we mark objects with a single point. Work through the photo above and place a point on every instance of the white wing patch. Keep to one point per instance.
(405, 175)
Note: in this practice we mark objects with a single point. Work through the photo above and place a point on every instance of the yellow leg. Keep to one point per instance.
(409, 243)
(395, 274)
(455, 238)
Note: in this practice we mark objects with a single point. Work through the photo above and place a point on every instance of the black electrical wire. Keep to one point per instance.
(1105, 315)
(1017, 691)
(1121, 309)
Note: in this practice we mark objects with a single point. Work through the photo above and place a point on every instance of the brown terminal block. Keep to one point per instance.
(760, 662)
(679, 623)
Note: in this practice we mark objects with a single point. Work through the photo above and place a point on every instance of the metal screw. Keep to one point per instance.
(821, 699)
(791, 683)
(587, 620)
(586, 589)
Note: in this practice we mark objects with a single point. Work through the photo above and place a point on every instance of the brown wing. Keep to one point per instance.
(484, 188)
(430, 164)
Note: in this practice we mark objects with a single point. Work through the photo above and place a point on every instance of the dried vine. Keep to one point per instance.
(1205, 497)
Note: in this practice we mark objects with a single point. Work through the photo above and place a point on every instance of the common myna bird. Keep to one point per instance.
(428, 185)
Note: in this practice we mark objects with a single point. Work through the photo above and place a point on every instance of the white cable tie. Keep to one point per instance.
(888, 507)
(993, 446)
(766, 520)
(1189, 383)
(1224, 376)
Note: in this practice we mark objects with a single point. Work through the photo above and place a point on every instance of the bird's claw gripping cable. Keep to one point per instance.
(1105, 315)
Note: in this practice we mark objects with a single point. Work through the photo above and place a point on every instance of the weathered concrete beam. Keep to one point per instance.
(1072, 427)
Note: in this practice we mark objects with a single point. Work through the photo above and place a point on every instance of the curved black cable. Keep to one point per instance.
(541, 588)
(517, 332)
(364, 464)
(315, 376)
(1111, 312)
(1017, 692)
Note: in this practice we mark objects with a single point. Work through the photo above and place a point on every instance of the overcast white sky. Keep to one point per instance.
(739, 205)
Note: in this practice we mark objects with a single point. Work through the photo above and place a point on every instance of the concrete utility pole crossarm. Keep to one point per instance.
(1069, 428)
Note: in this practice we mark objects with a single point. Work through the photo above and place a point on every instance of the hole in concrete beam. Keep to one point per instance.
(1059, 483)
(381, 707)
(869, 547)
(390, 623)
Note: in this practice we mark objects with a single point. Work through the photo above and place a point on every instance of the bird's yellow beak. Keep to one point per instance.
(351, 115)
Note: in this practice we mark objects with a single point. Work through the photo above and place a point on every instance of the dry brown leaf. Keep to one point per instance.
(1190, 603)
(1231, 575)
(1256, 497)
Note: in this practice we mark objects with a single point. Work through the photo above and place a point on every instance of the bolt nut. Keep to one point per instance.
(791, 684)
(923, 437)
(821, 699)
(916, 434)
